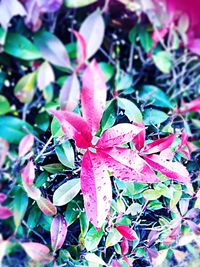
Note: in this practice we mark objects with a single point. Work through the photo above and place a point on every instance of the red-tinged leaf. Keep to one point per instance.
(52, 49)
(127, 232)
(37, 252)
(4, 147)
(58, 232)
(124, 246)
(115, 263)
(183, 147)
(93, 95)
(125, 164)
(82, 50)
(3, 197)
(195, 227)
(152, 237)
(96, 188)
(75, 127)
(5, 213)
(193, 213)
(173, 170)
(93, 30)
(117, 135)
(9, 9)
(128, 261)
(191, 106)
(159, 145)
(70, 93)
(46, 206)
(28, 173)
(139, 139)
(45, 75)
(26, 145)
(32, 191)
(152, 253)
(194, 46)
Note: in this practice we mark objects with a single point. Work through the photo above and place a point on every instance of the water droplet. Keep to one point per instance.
(99, 188)
(104, 198)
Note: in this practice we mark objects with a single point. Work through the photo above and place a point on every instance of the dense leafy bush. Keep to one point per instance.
(99, 137)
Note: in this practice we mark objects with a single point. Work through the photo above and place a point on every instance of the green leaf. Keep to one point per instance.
(72, 212)
(45, 221)
(19, 46)
(130, 109)
(107, 69)
(155, 96)
(145, 39)
(13, 129)
(109, 116)
(66, 192)
(124, 81)
(151, 194)
(56, 129)
(113, 237)
(4, 105)
(24, 89)
(52, 49)
(78, 3)
(65, 153)
(154, 116)
(163, 61)
(34, 216)
(93, 238)
(54, 167)
(84, 223)
(42, 121)
(133, 34)
(163, 190)
(20, 206)
(177, 193)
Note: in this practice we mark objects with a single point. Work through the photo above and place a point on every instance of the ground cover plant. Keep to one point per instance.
(99, 133)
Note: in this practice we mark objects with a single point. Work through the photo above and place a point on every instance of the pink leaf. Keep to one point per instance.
(193, 213)
(26, 145)
(195, 227)
(70, 93)
(46, 206)
(5, 213)
(124, 246)
(75, 127)
(82, 50)
(119, 134)
(28, 173)
(191, 106)
(9, 9)
(32, 191)
(4, 147)
(194, 46)
(96, 188)
(45, 75)
(58, 232)
(139, 139)
(37, 252)
(127, 232)
(173, 170)
(93, 95)
(159, 145)
(3, 197)
(125, 164)
(115, 263)
(93, 30)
